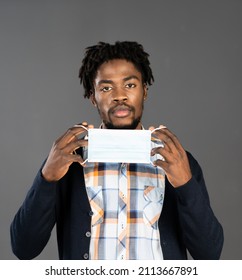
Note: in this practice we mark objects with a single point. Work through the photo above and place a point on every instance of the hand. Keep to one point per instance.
(62, 153)
(175, 163)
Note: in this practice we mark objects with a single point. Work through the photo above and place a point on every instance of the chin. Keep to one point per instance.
(130, 125)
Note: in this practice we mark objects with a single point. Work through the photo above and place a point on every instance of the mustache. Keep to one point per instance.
(121, 107)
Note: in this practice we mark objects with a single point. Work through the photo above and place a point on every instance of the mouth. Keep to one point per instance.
(121, 112)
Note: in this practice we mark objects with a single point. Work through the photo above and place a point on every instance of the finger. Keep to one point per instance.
(161, 163)
(70, 135)
(153, 139)
(84, 123)
(151, 128)
(164, 152)
(74, 158)
(72, 146)
(166, 137)
(153, 136)
(174, 139)
(90, 126)
(161, 139)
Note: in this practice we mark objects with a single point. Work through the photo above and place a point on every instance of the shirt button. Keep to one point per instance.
(88, 234)
(91, 213)
(85, 256)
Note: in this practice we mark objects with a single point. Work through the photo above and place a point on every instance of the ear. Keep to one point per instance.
(93, 99)
(145, 91)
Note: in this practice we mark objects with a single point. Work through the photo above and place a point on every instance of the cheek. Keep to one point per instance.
(139, 105)
(103, 108)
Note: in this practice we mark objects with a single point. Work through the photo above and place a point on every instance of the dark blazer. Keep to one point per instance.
(187, 221)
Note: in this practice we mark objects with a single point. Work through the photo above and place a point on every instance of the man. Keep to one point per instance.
(118, 210)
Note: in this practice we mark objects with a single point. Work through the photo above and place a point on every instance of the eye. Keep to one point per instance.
(130, 85)
(106, 89)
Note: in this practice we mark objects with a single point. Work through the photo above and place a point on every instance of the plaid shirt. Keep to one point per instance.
(126, 201)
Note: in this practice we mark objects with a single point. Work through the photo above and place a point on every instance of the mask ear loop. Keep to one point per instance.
(162, 144)
(79, 125)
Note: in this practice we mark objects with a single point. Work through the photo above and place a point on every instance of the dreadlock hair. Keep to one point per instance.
(103, 52)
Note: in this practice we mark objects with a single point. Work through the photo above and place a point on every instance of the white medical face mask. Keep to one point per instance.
(119, 145)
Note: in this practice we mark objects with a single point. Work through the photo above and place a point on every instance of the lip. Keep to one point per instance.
(121, 112)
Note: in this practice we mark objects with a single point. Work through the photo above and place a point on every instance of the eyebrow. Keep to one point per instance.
(124, 79)
(130, 78)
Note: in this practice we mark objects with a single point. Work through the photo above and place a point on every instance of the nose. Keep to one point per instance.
(119, 95)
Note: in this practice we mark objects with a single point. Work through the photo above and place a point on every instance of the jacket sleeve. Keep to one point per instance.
(202, 233)
(32, 225)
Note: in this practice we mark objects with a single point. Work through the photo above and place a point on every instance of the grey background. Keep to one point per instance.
(195, 49)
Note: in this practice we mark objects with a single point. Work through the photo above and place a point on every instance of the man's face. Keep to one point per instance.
(119, 94)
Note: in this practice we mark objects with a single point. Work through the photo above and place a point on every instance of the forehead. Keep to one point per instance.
(117, 68)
